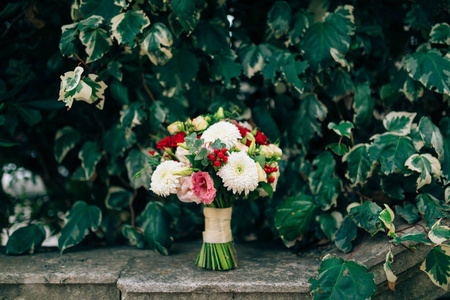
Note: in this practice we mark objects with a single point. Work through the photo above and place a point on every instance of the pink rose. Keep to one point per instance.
(185, 192)
(203, 187)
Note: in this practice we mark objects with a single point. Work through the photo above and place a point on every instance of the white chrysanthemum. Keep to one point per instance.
(240, 173)
(164, 182)
(227, 132)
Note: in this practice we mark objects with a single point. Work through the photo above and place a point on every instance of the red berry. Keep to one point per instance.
(216, 151)
(225, 158)
(267, 166)
(224, 150)
(211, 157)
(271, 179)
(217, 163)
(275, 169)
(266, 171)
(220, 154)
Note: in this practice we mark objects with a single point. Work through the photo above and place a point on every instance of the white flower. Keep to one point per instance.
(240, 173)
(241, 147)
(181, 153)
(175, 127)
(245, 124)
(277, 152)
(163, 181)
(227, 132)
(199, 123)
(262, 176)
(266, 151)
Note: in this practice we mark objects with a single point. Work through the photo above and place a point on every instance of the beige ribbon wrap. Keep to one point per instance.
(217, 225)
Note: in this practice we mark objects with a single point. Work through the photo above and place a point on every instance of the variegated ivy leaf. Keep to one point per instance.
(122, 3)
(132, 115)
(186, 13)
(439, 233)
(341, 85)
(359, 164)
(447, 195)
(126, 26)
(430, 68)
(253, 58)
(157, 43)
(106, 8)
(324, 165)
(73, 79)
(68, 37)
(414, 237)
(118, 198)
(65, 140)
(137, 163)
(416, 137)
(387, 217)
(338, 148)
(278, 19)
(346, 234)
(339, 58)
(432, 136)
(408, 212)
(426, 165)
(367, 216)
(118, 139)
(399, 122)
(437, 266)
(211, 36)
(224, 67)
(391, 278)
(330, 223)
(392, 151)
(445, 130)
(96, 40)
(363, 105)
(431, 208)
(302, 21)
(343, 129)
(440, 34)
(412, 89)
(89, 156)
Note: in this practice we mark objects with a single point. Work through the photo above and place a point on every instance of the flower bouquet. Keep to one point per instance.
(215, 160)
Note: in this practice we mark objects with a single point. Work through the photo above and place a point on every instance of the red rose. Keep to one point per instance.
(165, 143)
(178, 138)
(152, 153)
(243, 131)
(260, 138)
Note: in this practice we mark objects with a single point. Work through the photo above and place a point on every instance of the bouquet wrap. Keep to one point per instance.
(217, 225)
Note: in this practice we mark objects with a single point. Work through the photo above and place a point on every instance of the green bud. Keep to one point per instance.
(184, 171)
(219, 114)
(252, 148)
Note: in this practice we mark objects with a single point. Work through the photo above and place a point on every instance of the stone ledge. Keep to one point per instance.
(266, 271)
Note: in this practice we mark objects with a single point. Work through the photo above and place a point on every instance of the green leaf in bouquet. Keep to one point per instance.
(338, 148)
(293, 217)
(301, 21)
(359, 164)
(186, 13)
(65, 140)
(440, 34)
(278, 20)
(104, 8)
(137, 163)
(126, 26)
(408, 212)
(224, 66)
(155, 222)
(218, 144)
(157, 44)
(330, 223)
(253, 58)
(190, 139)
(431, 208)
(367, 216)
(363, 105)
(267, 188)
(80, 219)
(399, 123)
(432, 136)
(439, 233)
(340, 85)
(211, 36)
(437, 266)
(334, 32)
(426, 165)
(346, 234)
(26, 239)
(96, 41)
(412, 89)
(415, 237)
(118, 198)
(392, 151)
(201, 154)
(89, 156)
(342, 129)
(67, 44)
(338, 279)
(431, 69)
(133, 236)
(116, 140)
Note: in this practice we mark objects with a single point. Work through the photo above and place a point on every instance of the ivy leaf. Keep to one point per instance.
(114, 70)
(387, 217)
(293, 217)
(392, 185)
(390, 276)
(343, 129)
(306, 123)
(411, 237)
(431, 69)
(338, 149)
(80, 219)
(104, 8)
(341, 279)
(126, 26)
(412, 89)
(367, 216)
(432, 136)
(68, 38)
(359, 164)
(363, 105)
(186, 13)
(137, 162)
(426, 165)
(98, 88)
(399, 123)
(408, 212)
(333, 32)
(96, 41)
(89, 156)
(119, 92)
(392, 151)
(346, 234)
(253, 58)
(430, 208)
(157, 44)
(224, 67)
(118, 198)
(437, 266)
(445, 129)
(341, 84)
(211, 36)
(155, 222)
(301, 22)
(440, 34)
(118, 140)
(439, 233)
(278, 20)
(132, 115)
(133, 236)
(324, 165)
(26, 239)
(330, 223)
(65, 140)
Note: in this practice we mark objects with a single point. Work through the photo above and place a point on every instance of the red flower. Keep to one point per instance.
(260, 138)
(165, 143)
(152, 153)
(178, 138)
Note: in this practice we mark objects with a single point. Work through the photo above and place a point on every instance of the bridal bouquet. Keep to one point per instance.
(215, 161)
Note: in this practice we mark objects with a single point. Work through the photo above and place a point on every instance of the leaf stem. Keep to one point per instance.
(84, 64)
